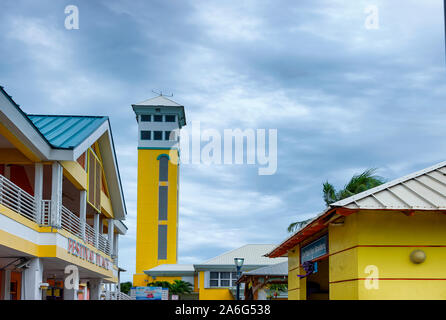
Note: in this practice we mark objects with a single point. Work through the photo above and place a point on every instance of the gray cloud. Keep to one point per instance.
(343, 98)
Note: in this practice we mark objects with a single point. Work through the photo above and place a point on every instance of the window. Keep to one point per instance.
(158, 118)
(170, 118)
(162, 242)
(164, 168)
(157, 135)
(94, 172)
(145, 135)
(146, 118)
(168, 137)
(222, 279)
(162, 205)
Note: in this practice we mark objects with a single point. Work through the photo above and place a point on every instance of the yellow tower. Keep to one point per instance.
(159, 120)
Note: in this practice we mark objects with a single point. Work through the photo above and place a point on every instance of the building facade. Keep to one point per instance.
(159, 121)
(61, 205)
(215, 279)
(385, 243)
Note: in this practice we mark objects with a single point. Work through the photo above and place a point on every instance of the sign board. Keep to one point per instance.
(85, 253)
(314, 249)
(174, 297)
(150, 293)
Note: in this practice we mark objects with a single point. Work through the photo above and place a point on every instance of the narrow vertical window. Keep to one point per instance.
(162, 205)
(162, 242)
(164, 168)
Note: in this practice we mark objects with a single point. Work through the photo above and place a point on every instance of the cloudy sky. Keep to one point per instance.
(343, 98)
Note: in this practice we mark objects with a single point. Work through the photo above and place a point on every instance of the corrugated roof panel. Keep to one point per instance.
(66, 132)
(252, 253)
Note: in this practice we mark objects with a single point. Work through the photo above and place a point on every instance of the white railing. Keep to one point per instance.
(18, 200)
(123, 296)
(103, 244)
(115, 295)
(71, 222)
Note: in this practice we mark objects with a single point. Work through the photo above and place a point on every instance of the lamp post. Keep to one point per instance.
(238, 264)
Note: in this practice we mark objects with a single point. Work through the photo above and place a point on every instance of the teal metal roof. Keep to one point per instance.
(66, 132)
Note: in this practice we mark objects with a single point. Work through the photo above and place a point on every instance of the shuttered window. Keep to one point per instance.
(162, 242)
(162, 206)
(94, 181)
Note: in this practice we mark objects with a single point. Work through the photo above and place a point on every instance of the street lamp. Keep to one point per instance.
(238, 264)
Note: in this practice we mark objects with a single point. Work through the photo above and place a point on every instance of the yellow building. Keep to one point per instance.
(61, 204)
(159, 121)
(215, 279)
(386, 243)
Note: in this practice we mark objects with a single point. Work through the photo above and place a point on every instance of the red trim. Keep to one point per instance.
(357, 279)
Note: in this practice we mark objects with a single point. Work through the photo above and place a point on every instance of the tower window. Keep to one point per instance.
(157, 135)
(162, 242)
(145, 135)
(146, 118)
(164, 169)
(162, 205)
(170, 118)
(158, 118)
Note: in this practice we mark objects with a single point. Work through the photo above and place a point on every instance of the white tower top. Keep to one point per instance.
(157, 118)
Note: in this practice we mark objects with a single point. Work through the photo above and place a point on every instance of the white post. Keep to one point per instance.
(95, 289)
(83, 212)
(38, 190)
(7, 285)
(31, 279)
(116, 246)
(56, 194)
(96, 229)
(110, 235)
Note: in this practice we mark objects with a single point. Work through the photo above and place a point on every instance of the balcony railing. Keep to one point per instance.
(18, 200)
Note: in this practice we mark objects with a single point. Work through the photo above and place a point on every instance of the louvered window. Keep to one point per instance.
(94, 180)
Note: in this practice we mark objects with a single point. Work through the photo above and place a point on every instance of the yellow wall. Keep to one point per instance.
(213, 293)
(383, 241)
(147, 219)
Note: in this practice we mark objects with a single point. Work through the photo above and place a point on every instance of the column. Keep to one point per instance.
(115, 247)
(38, 191)
(110, 235)
(83, 212)
(56, 194)
(31, 279)
(7, 284)
(95, 289)
(96, 229)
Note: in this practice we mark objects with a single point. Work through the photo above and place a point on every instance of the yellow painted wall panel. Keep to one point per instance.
(404, 290)
(212, 293)
(395, 228)
(347, 290)
(344, 265)
(394, 262)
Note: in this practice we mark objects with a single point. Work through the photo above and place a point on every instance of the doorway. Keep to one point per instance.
(318, 282)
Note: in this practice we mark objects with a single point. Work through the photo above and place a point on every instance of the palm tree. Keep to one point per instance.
(357, 184)
(180, 287)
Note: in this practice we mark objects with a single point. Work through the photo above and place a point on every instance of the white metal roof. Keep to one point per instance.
(170, 270)
(252, 253)
(173, 267)
(422, 190)
(278, 269)
(158, 101)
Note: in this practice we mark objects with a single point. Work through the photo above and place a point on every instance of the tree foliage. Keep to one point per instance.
(357, 184)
